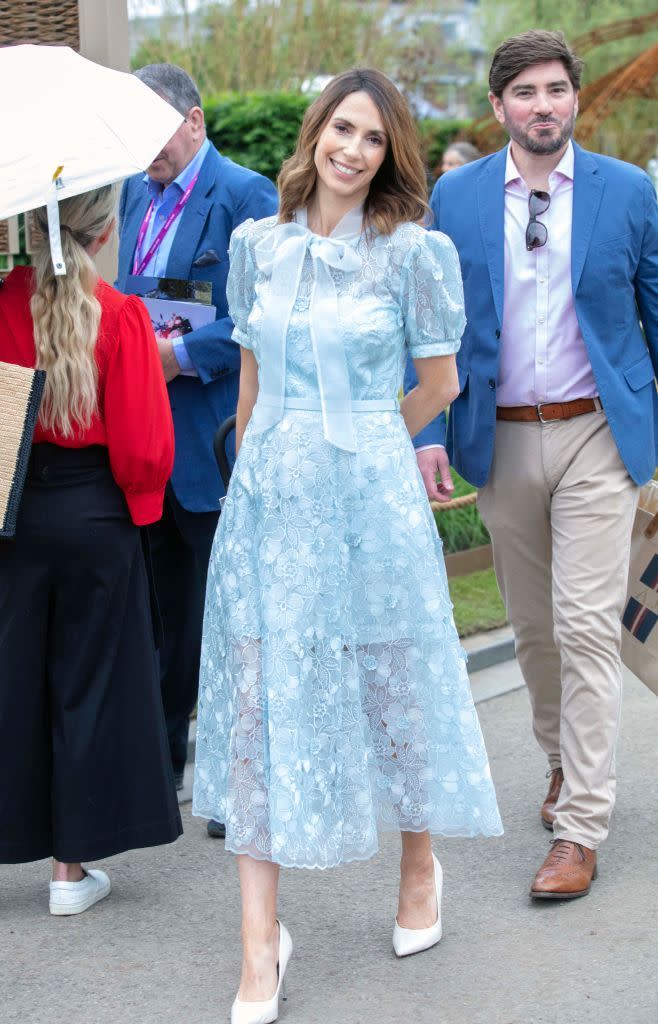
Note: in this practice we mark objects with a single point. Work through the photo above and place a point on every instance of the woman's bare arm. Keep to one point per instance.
(437, 387)
(247, 395)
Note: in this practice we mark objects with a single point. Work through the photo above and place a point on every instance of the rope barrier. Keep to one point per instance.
(447, 506)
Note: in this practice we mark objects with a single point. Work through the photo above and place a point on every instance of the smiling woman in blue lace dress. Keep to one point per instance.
(334, 698)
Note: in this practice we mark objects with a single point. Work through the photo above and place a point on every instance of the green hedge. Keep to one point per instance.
(259, 130)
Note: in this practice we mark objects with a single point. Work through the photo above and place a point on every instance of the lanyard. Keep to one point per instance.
(139, 266)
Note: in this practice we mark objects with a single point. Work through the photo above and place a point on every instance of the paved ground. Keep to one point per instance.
(164, 948)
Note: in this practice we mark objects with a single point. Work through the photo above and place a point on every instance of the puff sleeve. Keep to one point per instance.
(138, 423)
(240, 285)
(432, 296)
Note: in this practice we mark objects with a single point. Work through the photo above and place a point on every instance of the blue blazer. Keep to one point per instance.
(224, 196)
(614, 274)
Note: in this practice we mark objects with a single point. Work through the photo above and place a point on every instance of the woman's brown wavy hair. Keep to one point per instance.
(398, 191)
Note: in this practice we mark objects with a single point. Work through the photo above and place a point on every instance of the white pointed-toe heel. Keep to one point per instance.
(414, 940)
(267, 1010)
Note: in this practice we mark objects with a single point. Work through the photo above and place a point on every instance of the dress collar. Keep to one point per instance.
(348, 229)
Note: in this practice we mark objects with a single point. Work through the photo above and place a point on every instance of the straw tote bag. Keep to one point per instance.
(20, 396)
(639, 643)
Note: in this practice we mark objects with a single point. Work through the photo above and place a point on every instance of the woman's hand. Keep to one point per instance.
(433, 462)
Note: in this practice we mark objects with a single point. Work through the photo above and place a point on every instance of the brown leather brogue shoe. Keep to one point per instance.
(547, 812)
(566, 873)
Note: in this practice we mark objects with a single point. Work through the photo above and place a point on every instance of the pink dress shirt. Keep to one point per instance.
(543, 356)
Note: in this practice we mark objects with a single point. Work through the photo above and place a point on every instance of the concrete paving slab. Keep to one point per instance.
(164, 947)
(490, 648)
(500, 678)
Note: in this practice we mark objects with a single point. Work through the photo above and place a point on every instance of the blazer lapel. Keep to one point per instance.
(588, 188)
(491, 214)
(193, 219)
(133, 222)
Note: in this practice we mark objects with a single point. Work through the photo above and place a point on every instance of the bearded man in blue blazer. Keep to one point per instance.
(176, 221)
(557, 420)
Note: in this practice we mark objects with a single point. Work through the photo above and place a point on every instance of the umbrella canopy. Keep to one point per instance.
(69, 125)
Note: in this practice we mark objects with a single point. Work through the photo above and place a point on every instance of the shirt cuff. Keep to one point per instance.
(183, 359)
(427, 447)
(145, 507)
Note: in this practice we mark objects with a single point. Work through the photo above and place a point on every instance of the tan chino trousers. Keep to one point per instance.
(559, 505)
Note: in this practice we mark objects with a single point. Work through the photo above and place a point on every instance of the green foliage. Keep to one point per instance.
(258, 130)
(277, 45)
(420, 52)
(240, 45)
(477, 602)
(435, 136)
(157, 50)
(461, 529)
(258, 44)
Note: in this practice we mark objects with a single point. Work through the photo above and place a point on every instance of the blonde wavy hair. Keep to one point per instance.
(398, 192)
(66, 313)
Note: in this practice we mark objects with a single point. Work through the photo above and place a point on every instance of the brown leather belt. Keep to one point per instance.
(549, 411)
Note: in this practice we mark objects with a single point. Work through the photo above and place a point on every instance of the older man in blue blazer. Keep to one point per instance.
(176, 221)
(557, 420)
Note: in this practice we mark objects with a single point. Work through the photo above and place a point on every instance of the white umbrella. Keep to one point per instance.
(68, 126)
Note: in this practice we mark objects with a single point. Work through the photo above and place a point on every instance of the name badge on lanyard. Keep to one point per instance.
(140, 265)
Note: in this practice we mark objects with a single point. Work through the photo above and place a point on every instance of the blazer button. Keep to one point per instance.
(492, 383)
(498, 332)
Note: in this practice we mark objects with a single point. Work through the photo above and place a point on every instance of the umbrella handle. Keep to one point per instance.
(219, 446)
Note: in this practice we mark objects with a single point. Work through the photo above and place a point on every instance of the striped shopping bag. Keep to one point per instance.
(20, 396)
(639, 634)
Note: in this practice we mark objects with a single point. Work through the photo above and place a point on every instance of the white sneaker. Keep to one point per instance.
(75, 897)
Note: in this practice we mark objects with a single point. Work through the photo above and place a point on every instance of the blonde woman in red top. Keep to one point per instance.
(84, 759)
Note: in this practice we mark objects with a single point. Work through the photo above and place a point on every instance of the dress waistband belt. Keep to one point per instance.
(314, 404)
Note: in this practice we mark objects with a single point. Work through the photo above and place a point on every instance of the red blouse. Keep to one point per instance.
(133, 420)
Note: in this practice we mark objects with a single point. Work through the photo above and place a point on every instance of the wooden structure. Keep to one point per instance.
(40, 21)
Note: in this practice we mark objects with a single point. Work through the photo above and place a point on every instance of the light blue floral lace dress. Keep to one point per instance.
(333, 695)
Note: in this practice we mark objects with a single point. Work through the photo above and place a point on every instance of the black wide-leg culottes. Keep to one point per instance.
(85, 771)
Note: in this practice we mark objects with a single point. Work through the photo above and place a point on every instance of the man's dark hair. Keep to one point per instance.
(517, 53)
(173, 84)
